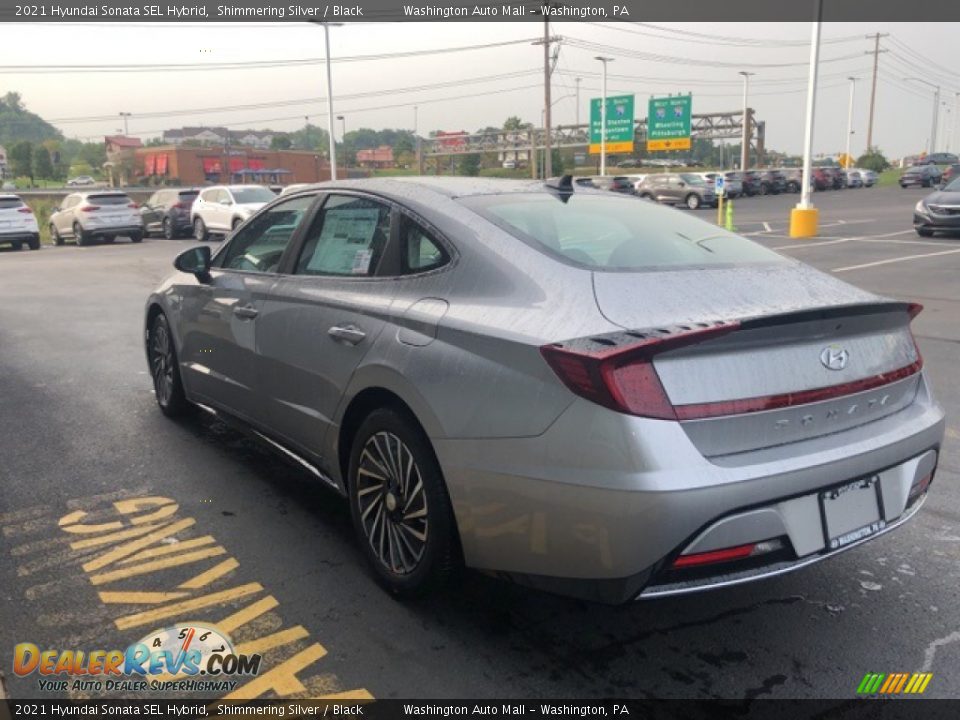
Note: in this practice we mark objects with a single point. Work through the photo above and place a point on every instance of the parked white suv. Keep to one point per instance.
(221, 208)
(18, 225)
(105, 214)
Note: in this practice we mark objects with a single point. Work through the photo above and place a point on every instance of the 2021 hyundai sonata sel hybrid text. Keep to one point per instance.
(586, 393)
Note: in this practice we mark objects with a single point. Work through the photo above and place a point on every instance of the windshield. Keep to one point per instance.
(109, 199)
(953, 186)
(611, 233)
(252, 195)
(7, 203)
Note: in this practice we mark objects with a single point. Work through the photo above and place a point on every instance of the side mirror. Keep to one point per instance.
(196, 261)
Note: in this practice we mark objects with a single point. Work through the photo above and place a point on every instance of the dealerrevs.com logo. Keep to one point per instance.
(189, 657)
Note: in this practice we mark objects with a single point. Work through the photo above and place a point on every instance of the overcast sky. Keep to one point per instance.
(700, 58)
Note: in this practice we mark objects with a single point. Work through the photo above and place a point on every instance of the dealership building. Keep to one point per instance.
(181, 165)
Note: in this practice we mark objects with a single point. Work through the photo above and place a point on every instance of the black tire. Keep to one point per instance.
(136, 237)
(34, 243)
(924, 232)
(386, 498)
(82, 238)
(793, 187)
(55, 235)
(165, 370)
(764, 189)
(692, 201)
(200, 232)
(168, 230)
(646, 196)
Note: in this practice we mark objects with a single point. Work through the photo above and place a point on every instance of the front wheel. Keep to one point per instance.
(136, 237)
(168, 231)
(82, 238)
(400, 507)
(34, 243)
(200, 232)
(924, 232)
(55, 235)
(164, 369)
(693, 201)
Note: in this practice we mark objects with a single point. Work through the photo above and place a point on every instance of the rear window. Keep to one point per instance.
(611, 233)
(109, 199)
(252, 195)
(188, 195)
(7, 203)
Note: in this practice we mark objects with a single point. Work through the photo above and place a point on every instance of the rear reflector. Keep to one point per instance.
(25, 209)
(133, 206)
(89, 208)
(738, 552)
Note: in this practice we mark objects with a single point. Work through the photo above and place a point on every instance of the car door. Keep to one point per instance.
(149, 212)
(64, 219)
(323, 316)
(219, 317)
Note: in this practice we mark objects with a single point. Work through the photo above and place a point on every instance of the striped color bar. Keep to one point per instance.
(894, 683)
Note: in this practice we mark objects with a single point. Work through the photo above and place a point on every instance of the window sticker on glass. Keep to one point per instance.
(347, 232)
(361, 262)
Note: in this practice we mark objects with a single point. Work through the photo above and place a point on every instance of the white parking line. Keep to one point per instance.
(894, 260)
(799, 245)
(766, 226)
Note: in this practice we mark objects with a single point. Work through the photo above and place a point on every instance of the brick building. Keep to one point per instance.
(200, 165)
(381, 157)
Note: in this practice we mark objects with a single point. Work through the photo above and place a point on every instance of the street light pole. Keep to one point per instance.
(853, 85)
(333, 145)
(936, 110)
(745, 143)
(803, 218)
(343, 126)
(603, 114)
(577, 81)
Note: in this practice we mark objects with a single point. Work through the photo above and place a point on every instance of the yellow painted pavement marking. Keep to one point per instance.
(281, 679)
(161, 564)
(251, 612)
(208, 576)
(268, 642)
(150, 616)
(131, 505)
(169, 549)
(69, 523)
(131, 597)
(113, 537)
(130, 548)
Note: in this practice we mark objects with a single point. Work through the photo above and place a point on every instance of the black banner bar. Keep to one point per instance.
(260, 11)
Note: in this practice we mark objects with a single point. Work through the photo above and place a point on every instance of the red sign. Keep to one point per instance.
(211, 166)
(452, 140)
(162, 163)
(149, 164)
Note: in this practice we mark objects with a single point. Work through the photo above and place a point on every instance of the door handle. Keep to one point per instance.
(348, 333)
(247, 312)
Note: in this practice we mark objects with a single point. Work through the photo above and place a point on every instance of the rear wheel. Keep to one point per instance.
(82, 238)
(34, 243)
(200, 232)
(401, 512)
(164, 369)
(136, 237)
(692, 201)
(55, 236)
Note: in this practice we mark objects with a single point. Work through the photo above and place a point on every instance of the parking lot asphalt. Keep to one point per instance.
(262, 549)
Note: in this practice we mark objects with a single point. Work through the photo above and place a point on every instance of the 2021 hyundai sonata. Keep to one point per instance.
(583, 392)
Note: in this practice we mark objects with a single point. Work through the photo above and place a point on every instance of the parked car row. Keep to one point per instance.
(18, 224)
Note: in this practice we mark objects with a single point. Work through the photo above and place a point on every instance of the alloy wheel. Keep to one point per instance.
(392, 503)
(162, 363)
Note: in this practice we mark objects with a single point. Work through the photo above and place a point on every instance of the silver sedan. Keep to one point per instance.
(584, 392)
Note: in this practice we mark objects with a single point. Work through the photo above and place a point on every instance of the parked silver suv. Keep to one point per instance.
(105, 214)
(221, 208)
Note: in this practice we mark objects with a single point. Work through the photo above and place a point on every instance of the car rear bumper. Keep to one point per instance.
(126, 229)
(19, 235)
(600, 504)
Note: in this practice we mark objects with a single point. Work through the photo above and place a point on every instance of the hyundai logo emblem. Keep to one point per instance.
(834, 357)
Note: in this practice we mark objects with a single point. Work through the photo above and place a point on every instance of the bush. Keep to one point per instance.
(874, 160)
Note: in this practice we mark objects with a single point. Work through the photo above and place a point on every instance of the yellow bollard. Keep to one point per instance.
(804, 222)
(720, 209)
(729, 223)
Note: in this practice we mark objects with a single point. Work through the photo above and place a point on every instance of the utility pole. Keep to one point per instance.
(126, 130)
(603, 115)
(333, 145)
(577, 81)
(745, 145)
(547, 160)
(853, 85)
(873, 91)
(936, 110)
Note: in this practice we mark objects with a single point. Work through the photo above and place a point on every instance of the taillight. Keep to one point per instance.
(89, 208)
(133, 206)
(183, 205)
(623, 378)
(738, 552)
(26, 210)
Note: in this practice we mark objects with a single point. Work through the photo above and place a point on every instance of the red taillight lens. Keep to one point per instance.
(714, 556)
(183, 205)
(89, 208)
(26, 210)
(623, 378)
(133, 206)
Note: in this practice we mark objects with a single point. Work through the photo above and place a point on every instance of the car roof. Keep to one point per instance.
(10, 196)
(450, 187)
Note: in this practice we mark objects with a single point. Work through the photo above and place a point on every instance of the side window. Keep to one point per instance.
(70, 201)
(259, 246)
(209, 195)
(419, 250)
(347, 238)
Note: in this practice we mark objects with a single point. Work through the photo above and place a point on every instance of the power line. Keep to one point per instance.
(700, 38)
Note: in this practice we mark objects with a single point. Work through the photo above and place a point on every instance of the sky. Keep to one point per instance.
(471, 89)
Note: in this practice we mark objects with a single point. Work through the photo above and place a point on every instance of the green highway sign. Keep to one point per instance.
(620, 126)
(668, 123)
